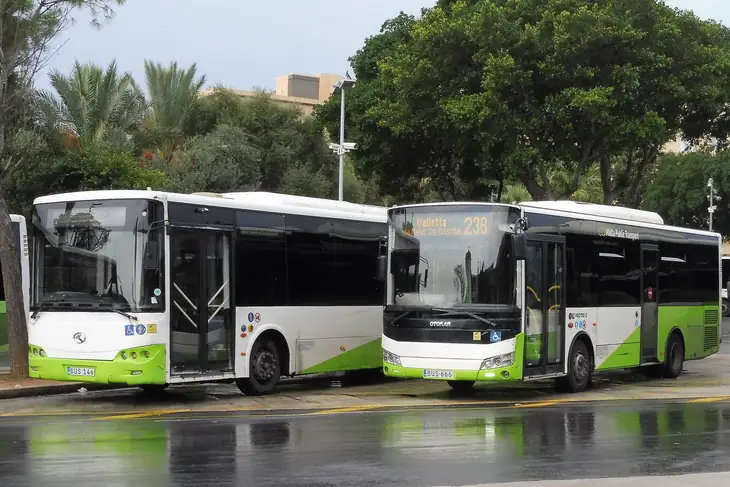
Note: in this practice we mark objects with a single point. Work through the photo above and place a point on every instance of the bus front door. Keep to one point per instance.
(544, 302)
(649, 309)
(201, 316)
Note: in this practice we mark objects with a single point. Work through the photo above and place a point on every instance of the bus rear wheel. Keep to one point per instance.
(461, 385)
(674, 357)
(579, 370)
(264, 369)
(725, 308)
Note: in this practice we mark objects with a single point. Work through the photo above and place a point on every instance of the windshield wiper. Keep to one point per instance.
(449, 312)
(42, 307)
(395, 320)
(124, 313)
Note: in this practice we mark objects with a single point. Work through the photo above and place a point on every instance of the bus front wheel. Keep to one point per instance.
(725, 308)
(579, 369)
(264, 369)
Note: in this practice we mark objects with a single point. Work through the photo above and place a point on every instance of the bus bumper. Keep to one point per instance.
(434, 367)
(133, 366)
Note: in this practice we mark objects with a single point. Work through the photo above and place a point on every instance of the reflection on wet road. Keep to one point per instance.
(426, 447)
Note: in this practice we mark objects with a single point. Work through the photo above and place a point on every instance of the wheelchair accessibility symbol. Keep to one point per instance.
(495, 336)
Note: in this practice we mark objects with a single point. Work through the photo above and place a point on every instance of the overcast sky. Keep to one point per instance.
(246, 44)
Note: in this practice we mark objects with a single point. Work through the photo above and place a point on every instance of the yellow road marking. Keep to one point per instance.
(350, 409)
(144, 414)
(709, 399)
(541, 404)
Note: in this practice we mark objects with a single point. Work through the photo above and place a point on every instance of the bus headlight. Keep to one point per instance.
(391, 358)
(504, 360)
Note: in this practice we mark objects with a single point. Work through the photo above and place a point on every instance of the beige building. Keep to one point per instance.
(299, 90)
(318, 87)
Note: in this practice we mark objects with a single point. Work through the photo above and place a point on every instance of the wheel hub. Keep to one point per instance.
(580, 366)
(264, 366)
(674, 356)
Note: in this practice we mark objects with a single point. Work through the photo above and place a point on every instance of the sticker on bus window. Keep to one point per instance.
(495, 336)
(157, 292)
(250, 317)
(129, 330)
(141, 329)
(152, 328)
(257, 317)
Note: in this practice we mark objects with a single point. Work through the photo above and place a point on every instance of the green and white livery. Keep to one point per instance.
(150, 288)
(556, 289)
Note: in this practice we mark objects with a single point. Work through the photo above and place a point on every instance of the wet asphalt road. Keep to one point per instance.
(424, 448)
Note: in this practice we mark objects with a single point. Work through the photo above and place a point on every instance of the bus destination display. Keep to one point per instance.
(449, 225)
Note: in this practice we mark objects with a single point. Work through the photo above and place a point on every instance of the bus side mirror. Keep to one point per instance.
(519, 246)
(382, 268)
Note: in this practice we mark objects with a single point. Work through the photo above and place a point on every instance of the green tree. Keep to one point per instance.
(172, 91)
(476, 93)
(678, 189)
(98, 105)
(224, 160)
(93, 168)
(293, 152)
(413, 160)
(27, 28)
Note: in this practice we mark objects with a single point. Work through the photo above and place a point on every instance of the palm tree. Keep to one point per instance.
(589, 191)
(172, 91)
(94, 104)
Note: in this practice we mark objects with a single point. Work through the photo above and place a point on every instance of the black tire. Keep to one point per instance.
(580, 370)
(674, 357)
(264, 369)
(154, 388)
(725, 308)
(461, 385)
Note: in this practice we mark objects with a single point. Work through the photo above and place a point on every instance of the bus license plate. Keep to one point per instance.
(438, 374)
(81, 371)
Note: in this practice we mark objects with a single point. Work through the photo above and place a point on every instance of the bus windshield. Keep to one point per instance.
(452, 256)
(98, 254)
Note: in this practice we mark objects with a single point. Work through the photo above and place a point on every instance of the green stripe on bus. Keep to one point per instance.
(366, 356)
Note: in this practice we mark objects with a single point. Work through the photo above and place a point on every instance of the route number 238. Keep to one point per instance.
(475, 225)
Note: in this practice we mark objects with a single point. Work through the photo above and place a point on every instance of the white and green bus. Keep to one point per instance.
(150, 288)
(556, 289)
(20, 235)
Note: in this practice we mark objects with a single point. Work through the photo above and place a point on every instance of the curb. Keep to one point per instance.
(52, 389)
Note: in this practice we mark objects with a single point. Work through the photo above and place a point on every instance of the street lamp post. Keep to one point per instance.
(713, 199)
(343, 147)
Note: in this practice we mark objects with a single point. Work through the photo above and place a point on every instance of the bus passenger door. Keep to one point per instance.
(201, 315)
(544, 303)
(649, 308)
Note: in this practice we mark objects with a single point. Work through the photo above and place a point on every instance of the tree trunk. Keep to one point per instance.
(13, 284)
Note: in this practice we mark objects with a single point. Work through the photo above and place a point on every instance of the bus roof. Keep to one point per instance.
(17, 218)
(252, 200)
(592, 209)
(588, 211)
